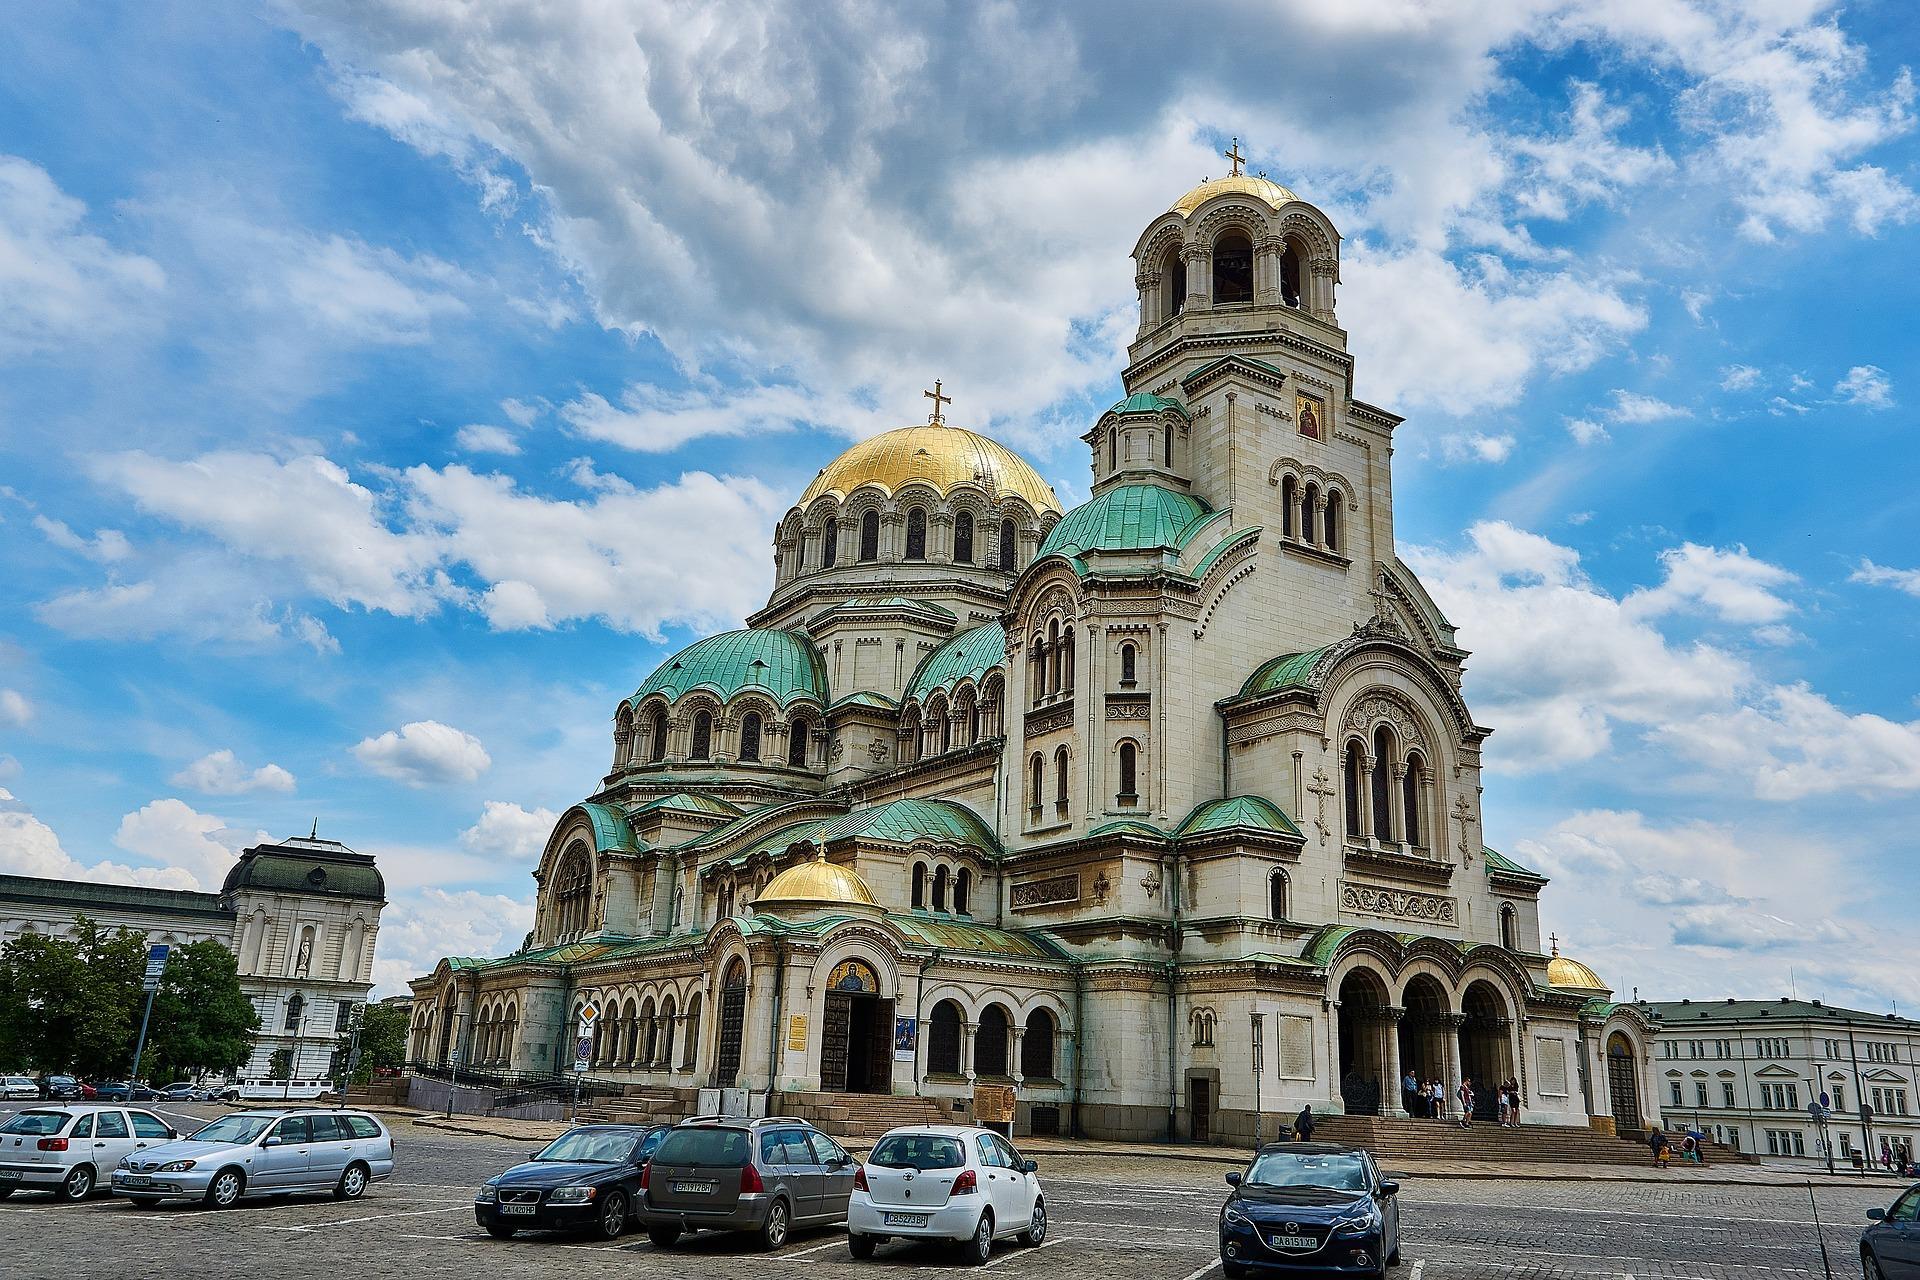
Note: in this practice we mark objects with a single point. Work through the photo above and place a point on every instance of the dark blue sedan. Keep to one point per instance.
(1891, 1246)
(1310, 1207)
(588, 1179)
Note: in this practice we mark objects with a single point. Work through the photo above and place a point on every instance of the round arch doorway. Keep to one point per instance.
(733, 1023)
(1364, 1028)
(1623, 1085)
(856, 1035)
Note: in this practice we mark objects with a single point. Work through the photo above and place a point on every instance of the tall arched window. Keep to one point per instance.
(1232, 268)
(693, 1030)
(1036, 780)
(916, 533)
(870, 536)
(1384, 756)
(750, 737)
(1036, 1047)
(1037, 654)
(963, 538)
(1166, 459)
(940, 889)
(1060, 776)
(667, 1019)
(1129, 761)
(990, 1042)
(1174, 270)
(702, 736)
(1333, 520)
(296, 1009)
(1129, 661)
(1066, 661)
(1509, 928)
(1053, 656)
(1113, 448)
(658, 732)
(1290, 276)
(797, 744)
(829, 542)
(943, 1040)
(1350, 775)
(1006, 545)
(1277, 896)
(919, 884)
(1310, 514)
(1289, 507)
(573, 891)
(1410, 800)
(962, 890)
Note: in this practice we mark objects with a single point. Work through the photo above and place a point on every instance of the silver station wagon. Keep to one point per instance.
(262, 1153)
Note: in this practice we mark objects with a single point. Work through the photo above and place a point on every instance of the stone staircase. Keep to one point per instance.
(644, 1104)
(860, 1117)
(1405, 1140)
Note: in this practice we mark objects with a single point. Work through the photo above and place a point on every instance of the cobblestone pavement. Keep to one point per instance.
(1112, 1218)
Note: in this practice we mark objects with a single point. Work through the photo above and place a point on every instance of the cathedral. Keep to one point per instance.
(1161, 812)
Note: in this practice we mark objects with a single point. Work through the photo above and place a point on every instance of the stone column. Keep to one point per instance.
(1199, 260)
(1266, 270)
(1366, 797)
(1396, 804)
(966, 1049)
(1390, 1099)
(1320, 297)
(1436, 840)
(1450, 1038)
(1015, 1034)
(1147, 284)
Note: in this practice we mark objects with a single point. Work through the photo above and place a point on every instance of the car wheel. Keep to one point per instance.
(663, 1237)
(353, 1183)
(224, 1191)
(773, 1233)
(501, 1231)
(613, 1216)
(978, 1248)
(1036, 1232)
(1870, 1265)
(79, 1183)
(860, 1247)
(1393, 1255)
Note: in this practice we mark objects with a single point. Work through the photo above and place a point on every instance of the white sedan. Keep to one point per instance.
(945, 1182)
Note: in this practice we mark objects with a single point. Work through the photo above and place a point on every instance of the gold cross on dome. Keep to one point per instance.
(1232, 153)
(937, 418)
(1554, 938)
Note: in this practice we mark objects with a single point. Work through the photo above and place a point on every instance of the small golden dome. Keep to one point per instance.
(1562, 972)
(1240, 184)
(816, 883)
(941, 456)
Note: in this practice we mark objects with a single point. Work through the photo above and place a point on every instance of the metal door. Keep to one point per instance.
(833, 1042)
(733, 1019)
(1623, 1089)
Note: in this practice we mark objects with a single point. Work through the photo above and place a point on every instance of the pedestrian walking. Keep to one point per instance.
(1466, 1102)
(1886, 1155)
(1662, 1149)
(1513, 1101)
(1303, 1124)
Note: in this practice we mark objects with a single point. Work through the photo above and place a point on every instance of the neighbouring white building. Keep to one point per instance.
(1744, 1071)
(300, 916)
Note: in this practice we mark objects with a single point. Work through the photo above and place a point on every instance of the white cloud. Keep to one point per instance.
(1586, 163)
(204, 597)
(423, 753)
(59, 283)
(1585, 431)
(106, 545)
(1476, 446)
(1631, 406)
(14, 708)
(519, 412)
(419, 928)
(219, 773)
(480, 438)
(1865, 385)
(29, 847)
(1791, 743)
(360, 292)
(173, 833)
(1738, 377)
(1907, 580)
(509, 830)
(1729, 584)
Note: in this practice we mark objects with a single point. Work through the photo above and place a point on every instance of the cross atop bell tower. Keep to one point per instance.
(1232, 153)
(937, 418)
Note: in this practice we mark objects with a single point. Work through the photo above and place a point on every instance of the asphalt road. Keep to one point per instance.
(1112, 1219)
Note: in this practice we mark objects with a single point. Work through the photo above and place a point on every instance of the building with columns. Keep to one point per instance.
(1082, 801)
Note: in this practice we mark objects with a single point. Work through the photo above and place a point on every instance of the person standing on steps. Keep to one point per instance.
(1410, 1093)
(1303, 1124)
(1466, 1102)
(1513, 1101)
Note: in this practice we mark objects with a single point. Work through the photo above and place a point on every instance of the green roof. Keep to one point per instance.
(954, 935)
(905, 821)
(307, 865)
(82, 896)
(1128, 827)
(896, 602)
(1288, 671)
(784, 664)
(1253, 812)
(967, 656)
(1497, 861)
(868, 698)
(1223, 546)
(691, 802)
(1711, 1011)
(611, 830)
(1145, 402)
(1127, 517)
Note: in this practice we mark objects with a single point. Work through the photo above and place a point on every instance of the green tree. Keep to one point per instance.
(383, 1041)
(107, 1018)
(201, 1021)
(72, 1004)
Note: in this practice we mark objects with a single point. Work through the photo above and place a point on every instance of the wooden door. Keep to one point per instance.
(1623, 1089)
(1200, 1108)
(733, 1021)
(879, 1048)
(833, 1042)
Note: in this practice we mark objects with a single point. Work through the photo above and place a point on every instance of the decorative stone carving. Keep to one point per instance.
(1050, 720)
(1376, 708)
(1430, 908)
(1130, 710)
(1101, 888)
(1052, 891)
(877, 751)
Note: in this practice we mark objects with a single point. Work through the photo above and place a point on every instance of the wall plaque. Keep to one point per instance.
(1400, 904)
(1049, 892)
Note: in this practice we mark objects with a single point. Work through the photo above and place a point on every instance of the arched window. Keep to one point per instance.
(1232, 268)
(1036, 1047)
(946, 731)
(693, 1030)
(797, 744)
(1290, 276)
(919, 884)
(1333, 520)
(1383, 758)
(1036, 780)
(1167, 447)
(1174, 269)
(1277, 896)
(943, 1040)
(623, 743)
(1053, 656)
(1310, 514)
(990, 1042)
(1060, 776)
(651, 1023)
(940, 889)
(1037, 652)
(973, 723)
(1006, 545)
(573, 891)
(1509, 929)
(1066, 661)
(963, 538)
(829, 542)
(1113, 448)
(659, 735)
(750, 737)
(1289, 507)
(870, 536)
(1129, 760)
(962, 890)
(1129, 658)
(1350, 772)
(297, 1008)
(667, 1012)
(916, 533)
(1410, 800)
(702, 736)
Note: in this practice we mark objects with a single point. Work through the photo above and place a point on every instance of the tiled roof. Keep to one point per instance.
(611, 830)
(782, 663)
(1255, 812)
(1145, 402)
(1288, 671)
(1497, 861)
(1685, 1011)
(1129, 827)
(1128, 517)
(954, 935)
(905, 821)
(967, 656)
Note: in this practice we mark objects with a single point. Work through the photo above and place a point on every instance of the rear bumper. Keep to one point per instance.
(33, 1177)
(748, 1214)
(956, 1220)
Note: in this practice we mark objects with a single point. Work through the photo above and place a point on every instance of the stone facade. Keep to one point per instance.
(1127, 787)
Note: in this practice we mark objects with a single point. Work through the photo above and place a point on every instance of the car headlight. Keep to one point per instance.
(486, 1194)
(176, 1166)
(1237, 1218)
(572, 1195)
(1358, 1225)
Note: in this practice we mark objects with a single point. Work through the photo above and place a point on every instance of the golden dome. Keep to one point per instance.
(1240, 184)
(1562, 972)
(816, 883)
(937, 455)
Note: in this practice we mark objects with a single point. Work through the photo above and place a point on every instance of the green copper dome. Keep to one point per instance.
(967, 656)
(782, 664)
(1146, 402)
(1128, 517)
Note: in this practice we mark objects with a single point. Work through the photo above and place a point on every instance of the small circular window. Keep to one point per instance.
(317, 876)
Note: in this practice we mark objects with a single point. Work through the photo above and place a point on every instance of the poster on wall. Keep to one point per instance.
(906, 1033)
(797, 1033)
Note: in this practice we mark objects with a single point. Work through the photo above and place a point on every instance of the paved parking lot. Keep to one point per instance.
(1112, 1218)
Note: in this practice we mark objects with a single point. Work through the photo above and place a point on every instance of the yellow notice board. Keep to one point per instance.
(797, 1033)
(993, 1104)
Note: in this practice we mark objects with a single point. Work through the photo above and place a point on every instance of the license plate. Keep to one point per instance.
(1292, 1242)
(903, 1219)
(518, 1210)
(133, 1181)
(694, 1188)
(9, 1175)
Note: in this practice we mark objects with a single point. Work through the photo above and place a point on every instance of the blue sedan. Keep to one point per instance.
(1891, 1246)
(1310, 1206)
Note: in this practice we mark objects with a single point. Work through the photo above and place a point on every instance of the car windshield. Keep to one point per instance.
(590, 1146)
(237, 1128)
(918, 1151)
(37, 1123)
(1290, 1169)
(726, 1148)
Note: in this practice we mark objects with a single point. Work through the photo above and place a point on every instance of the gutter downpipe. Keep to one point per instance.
(1079, 1043)
(919, 1015)
(1173, 1003)
(773, 1049)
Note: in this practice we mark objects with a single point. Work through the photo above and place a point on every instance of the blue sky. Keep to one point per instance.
(385, 389)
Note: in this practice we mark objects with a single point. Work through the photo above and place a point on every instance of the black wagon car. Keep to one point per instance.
(588, 1178)
(1316, 1207)
(1891, 1246)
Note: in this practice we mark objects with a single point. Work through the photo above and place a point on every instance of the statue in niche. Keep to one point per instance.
(304, 961)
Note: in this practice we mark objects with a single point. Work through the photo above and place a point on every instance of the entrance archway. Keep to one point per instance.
(1486, 1045)
(1423, 1034)
(856, 1037)
(733, 1022)
(1623, 1085)
(1363, 1032)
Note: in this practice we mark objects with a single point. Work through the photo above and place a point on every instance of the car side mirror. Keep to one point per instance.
(1876, 1215)
(1029, 1166)
(1233, 1179)
(534, 1156)
(1389, 1188)
(272, 1141)
(173, 1133)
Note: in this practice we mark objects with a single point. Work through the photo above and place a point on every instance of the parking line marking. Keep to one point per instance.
(373, 1217)
(1048, 1243)
(1215, 1266)
(1419, 1269)
(819, 1248)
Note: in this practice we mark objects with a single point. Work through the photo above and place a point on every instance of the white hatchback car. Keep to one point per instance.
(70, 1149)
(945, 1182)
(14, 1088)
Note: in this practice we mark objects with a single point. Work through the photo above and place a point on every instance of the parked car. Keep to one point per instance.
(945, 1182)
(62, 1089)
(262, 1153)
(22, 1088)
(182, 1091)
(728, 1173)
(587, 1177)
(1890, 1248)
(113, 1091)
(69, 1150)
(1310, 1206)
